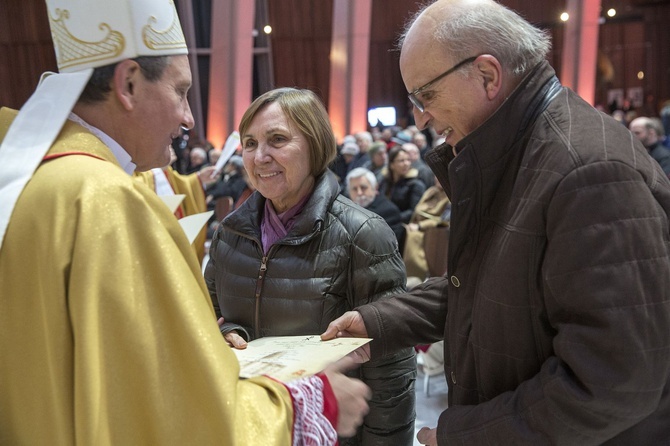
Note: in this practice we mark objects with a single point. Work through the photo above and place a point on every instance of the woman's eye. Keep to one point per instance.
(249, 144)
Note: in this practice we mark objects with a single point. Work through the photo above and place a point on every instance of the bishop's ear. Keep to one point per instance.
(124, 84)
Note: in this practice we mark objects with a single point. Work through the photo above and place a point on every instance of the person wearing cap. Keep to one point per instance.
(341, 165)
(107, 332)
(402, 137)
(349, 152)
(555, 309)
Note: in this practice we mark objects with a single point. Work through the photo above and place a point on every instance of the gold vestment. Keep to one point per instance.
(107, 333)
(194, 199)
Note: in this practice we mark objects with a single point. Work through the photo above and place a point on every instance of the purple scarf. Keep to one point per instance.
(275, 226)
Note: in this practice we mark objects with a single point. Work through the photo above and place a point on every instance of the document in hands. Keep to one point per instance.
(290, 357)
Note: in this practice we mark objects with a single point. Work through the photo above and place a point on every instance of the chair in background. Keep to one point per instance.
(431, 363)
(222, 207)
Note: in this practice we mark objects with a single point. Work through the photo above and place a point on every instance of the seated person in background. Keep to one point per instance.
(197, 159)
(297, 254)
(421, 141)
(242, 197)
(343, 162)
(648, 134)
(363, 141)
(402, 185)
(378, 160)
(424, 173)
(432, 210)
(167, 181)
(657, 123)
(214, 156)
(231, 184)
(362, 189)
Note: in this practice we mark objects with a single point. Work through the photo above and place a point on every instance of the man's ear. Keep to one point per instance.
(491, 73)
(125, 81)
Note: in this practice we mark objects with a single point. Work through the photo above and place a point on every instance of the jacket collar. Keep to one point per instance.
(472, 179)
(491, 141)
(247, 218)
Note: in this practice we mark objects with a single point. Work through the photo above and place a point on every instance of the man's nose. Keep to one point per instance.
(421, 119)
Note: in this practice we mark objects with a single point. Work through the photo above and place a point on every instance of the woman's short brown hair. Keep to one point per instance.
(305, 110)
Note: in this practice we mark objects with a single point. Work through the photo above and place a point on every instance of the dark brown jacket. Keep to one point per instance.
(556, 308)
(337, 256)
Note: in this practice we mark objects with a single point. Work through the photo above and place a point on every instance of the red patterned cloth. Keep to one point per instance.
(314, 407)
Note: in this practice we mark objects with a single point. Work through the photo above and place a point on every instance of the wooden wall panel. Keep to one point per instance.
(301, 36)
(26, 50)
(657, 32)
(385, 85)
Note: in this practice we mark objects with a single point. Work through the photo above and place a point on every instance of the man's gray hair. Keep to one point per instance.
(490, 28)
(360, 172)
(367, 136)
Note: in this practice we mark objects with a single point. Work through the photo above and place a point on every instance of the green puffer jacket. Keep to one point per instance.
(337, 256)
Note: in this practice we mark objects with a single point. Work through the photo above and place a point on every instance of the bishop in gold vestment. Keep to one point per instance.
(103, 323)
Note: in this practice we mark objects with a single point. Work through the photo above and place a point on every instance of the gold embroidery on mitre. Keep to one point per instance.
(72, 51)
(169, 38)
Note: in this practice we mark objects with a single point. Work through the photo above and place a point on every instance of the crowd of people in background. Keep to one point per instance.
(401, 181)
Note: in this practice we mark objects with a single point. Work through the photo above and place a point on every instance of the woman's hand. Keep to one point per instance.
(232, 338)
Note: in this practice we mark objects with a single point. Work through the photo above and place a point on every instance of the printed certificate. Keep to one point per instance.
(290, 357)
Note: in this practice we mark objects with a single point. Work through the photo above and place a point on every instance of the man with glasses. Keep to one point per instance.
(555, 311)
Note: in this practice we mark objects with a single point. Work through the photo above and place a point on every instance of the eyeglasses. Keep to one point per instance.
(413, 95)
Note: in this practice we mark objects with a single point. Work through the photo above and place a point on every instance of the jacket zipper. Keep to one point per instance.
(257, 296)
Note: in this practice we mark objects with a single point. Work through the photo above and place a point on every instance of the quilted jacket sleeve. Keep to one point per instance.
(377, 272)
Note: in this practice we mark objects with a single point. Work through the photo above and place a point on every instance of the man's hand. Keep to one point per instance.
(427, 436)
(351, 394)
(232, 338)
(349, 325)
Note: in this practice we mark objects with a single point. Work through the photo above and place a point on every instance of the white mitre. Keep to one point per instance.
(87, 34)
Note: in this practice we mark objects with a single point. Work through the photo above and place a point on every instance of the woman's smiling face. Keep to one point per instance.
(277, 158)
